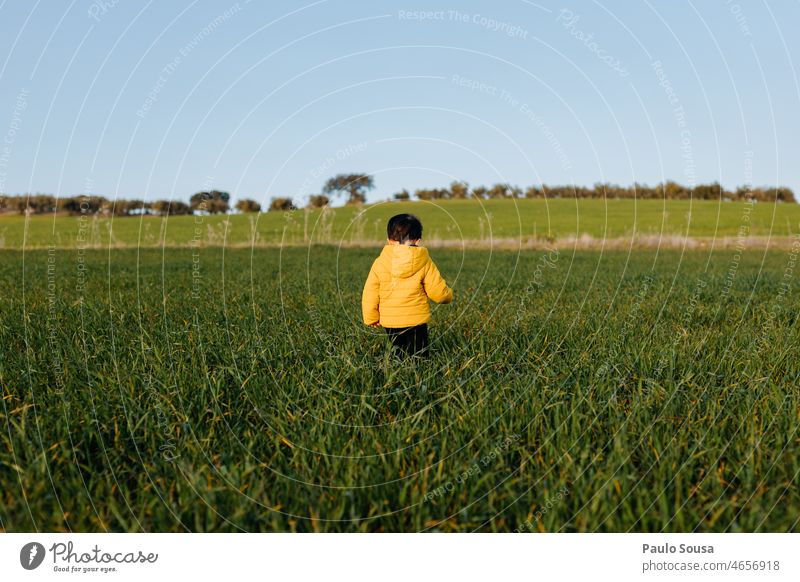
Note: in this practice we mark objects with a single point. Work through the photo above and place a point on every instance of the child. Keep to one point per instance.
(398, 287)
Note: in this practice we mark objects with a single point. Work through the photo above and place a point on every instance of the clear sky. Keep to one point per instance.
(162, 99)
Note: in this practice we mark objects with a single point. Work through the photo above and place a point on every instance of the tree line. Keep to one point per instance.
(211, 202)
(668, 190)
(354, 188)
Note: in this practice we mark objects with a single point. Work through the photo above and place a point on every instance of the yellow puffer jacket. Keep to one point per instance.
(399, 284)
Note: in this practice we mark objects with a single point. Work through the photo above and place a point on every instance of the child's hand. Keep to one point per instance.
(374, 324)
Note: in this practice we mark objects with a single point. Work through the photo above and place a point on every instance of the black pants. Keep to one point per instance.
(409, 341)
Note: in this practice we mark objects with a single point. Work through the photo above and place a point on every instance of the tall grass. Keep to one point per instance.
(227, 390)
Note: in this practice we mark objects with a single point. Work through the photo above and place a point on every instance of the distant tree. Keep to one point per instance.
(120, 207)
(318, 201)
(782, 194)
(170, 207)
(499, 191)
(37, 204)
(459, 190)
(281, 204)
(758, 194)
(179, 207)
(355, 186)
(707, 192)
(432, 194)
(644, 192)
(572, 192)
(246, 205)
(85, 205)
(213, 202)
(402, 195)
(600, 190)
(479, 192)
(534, 192)
(674, 191)
(71, 205)
(160, 207)
(199, 201)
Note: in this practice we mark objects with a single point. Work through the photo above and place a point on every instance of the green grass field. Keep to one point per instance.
(481, 222)
(223, 389)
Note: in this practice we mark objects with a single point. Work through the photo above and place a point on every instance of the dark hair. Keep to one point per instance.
(404, 227)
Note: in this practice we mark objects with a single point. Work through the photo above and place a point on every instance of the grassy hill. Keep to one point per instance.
(486, 223)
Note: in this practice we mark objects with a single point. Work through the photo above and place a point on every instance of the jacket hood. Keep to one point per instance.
(404, 260)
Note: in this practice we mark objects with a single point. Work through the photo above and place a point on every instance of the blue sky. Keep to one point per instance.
(162, 99)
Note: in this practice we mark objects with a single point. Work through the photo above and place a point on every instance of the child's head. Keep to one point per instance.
(403, 228)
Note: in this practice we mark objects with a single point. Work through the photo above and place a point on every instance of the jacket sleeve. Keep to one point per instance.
(370, 298)
(435, 286)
